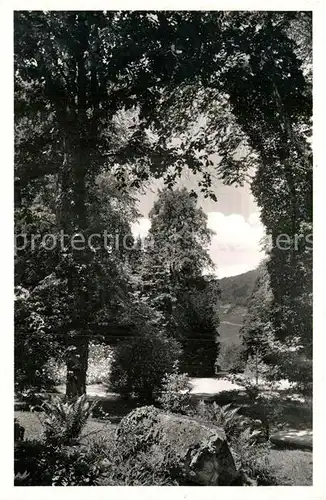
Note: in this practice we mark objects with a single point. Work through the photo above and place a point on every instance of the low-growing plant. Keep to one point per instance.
(21, 479)
(63, 421)
(251, 458)
(42, 464)
(226, 417)
(143, 469)
(175, 394)
(33, 461)
(77, 467)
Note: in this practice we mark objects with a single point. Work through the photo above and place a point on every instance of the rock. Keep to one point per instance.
(292, 439)
(200, 450)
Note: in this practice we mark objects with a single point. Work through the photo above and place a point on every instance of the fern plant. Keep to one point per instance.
(226, 417)
(252, 458)
(63, 421)
(21, 479)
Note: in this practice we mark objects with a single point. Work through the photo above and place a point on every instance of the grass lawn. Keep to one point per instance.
(292, 467)
(93, 429)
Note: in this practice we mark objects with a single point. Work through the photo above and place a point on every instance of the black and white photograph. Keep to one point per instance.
(163, 248)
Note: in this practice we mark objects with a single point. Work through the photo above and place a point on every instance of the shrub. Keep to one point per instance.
(262, 404)
(145, 469)
(175, 393)
(41, 464)
(32, 459)
(139, 365)
(77, 467)
(63, 421)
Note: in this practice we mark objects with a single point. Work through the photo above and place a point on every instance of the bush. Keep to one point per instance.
(175, 393)
(41, 464)
(231, 358)
(145, 469)
(262, 404)
(79, 466)
(139, 365)
(32, 460)
(64, 421)
(297, 367)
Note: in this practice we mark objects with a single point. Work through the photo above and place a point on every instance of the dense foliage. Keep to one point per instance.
(268, 356)
(131, 96)
(231, 358)
(173, 271)
(139, 365)
(175, 392)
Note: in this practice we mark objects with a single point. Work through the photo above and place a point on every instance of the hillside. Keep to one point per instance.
(235, 295)
(237, 290)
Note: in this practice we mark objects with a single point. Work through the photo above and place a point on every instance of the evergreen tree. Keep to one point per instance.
(175, 263)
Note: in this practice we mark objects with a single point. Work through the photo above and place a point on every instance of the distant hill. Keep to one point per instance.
(235, 295)
(237, 290)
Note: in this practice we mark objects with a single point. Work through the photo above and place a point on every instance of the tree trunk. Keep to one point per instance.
(77, 363)
(77, 355)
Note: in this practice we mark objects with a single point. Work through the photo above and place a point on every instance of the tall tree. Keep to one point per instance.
(174, 279)
(288, 357)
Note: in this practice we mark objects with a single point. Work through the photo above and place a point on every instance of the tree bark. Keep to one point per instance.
(77, 356)
(77, 363)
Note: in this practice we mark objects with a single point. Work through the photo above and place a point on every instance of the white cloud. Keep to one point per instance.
(235, 247)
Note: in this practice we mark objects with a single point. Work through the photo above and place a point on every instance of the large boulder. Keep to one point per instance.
(200, 450)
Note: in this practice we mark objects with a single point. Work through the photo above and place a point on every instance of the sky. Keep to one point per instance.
(236, 247)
